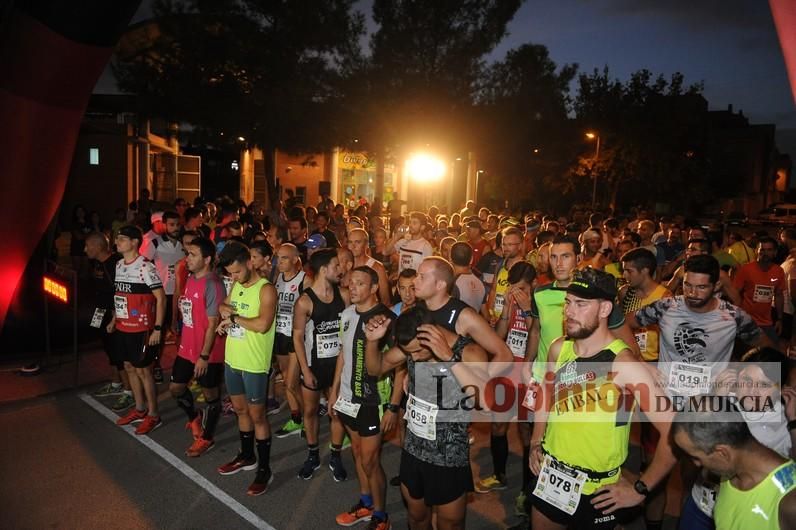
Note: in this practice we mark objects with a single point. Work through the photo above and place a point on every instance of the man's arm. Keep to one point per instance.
(160, 314)
(728, 288)
(787, 510)
(624, 333)
(301, 312)
(376, 362)
(544, 402)
(534, 333)
(384, 285)
(471, 324)
(265, 318)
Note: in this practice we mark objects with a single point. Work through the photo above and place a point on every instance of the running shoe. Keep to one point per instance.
(379, 524)
(195, 426)
(134, 416)
(356, 514)
(237, 464)
(149, 424)
(157, 373)
(290, 427)
(195, 387)
(124, 402)
(274, 406)
(199, 447)
(261, 482)
(339, 473)
(309, 467)
(490, 483)
(109, 389)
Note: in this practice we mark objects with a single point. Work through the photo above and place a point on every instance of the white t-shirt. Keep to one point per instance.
(412, 252)
(471, 291)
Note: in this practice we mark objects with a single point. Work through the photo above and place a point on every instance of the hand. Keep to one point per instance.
(111, 327)
(223, 326)
(536, 458)
(376, 328)
(388, 421)
(522, 299)
(200, 368)
(224, 311)
(431, 337)
(789, 396)
(610, 498)
(331, 400)
(154, 338)
(310, 380)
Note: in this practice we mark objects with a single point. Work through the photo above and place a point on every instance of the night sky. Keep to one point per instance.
(730, 45)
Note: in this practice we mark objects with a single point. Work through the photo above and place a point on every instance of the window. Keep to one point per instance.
(93, 156)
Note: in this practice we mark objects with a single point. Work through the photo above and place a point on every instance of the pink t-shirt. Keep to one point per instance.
(200, 300)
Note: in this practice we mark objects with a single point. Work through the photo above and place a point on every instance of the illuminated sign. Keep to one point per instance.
(56, 289)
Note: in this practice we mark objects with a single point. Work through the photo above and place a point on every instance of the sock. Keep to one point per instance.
(335, 451)
(185, 402)
(366, 499)
(499, 447)
(212, 413)
(380, 515)
(314, 451)
(296, 416)
(264, 455)
(526, 470)
(247, 444)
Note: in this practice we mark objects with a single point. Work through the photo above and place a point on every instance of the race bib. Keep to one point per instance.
(560, 485)
(763, 294)
(120, 307)
(328, 345)
(641, 340)
(421, 418)
(346, 407)
(227, 283)
(705, 495)
(186, 310)
(689, 379)
(284, 323)
(500, 301)
(531, 396)
(96, 320)
(517, 341)
(170, 273)
(407, 261)
(236, 332)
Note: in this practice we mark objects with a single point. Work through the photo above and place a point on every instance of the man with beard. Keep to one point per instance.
(757, 487)
(355, 400)
(316, 339)
(359, 245)
(697, 329)
(760, 283)
(579, 483)
(413, 249)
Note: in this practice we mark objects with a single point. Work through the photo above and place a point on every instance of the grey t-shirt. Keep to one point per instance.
(688, 336)
(470, 290)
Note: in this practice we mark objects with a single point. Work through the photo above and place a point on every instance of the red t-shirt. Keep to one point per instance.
(200, 300)
(757, 289)
(134, 303)
(478, 251)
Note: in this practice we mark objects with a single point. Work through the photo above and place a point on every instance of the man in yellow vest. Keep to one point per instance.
(758, 488)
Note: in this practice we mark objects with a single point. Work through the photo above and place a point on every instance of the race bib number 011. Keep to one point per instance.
(421, 417)
(559, 485)
(517, 341)
(689, 379)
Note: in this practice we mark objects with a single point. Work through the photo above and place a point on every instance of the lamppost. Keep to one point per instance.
(592, 136)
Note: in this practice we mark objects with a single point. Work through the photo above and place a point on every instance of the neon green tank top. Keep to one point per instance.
(758, 507)
(247, 350)
(588, 427)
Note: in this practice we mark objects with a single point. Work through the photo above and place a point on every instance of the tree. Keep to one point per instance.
(652, 134)
(267, 71)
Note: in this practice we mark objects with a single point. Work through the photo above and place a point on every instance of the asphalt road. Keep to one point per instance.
(65, 464)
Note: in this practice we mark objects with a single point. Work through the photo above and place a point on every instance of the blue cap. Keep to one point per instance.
(316, 241)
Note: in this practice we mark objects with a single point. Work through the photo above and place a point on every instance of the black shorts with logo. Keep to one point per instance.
(367, 423)
(436, 485)
(182, 373)
(133, 348)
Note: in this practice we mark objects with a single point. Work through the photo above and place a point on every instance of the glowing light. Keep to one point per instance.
(56, 289)
(425, 168)
(591, 135)
(241, 139)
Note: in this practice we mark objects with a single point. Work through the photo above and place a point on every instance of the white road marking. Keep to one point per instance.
(182, 467)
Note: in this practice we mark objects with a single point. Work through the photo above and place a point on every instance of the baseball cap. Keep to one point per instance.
(133, 232)
(156, 216)
(591, 284)
(316, 241)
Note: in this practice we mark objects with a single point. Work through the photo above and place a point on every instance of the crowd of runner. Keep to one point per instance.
(381, 320)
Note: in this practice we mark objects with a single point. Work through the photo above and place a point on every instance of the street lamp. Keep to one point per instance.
(591, 136)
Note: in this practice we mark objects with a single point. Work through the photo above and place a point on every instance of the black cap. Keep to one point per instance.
(131, 231)
(591, 284)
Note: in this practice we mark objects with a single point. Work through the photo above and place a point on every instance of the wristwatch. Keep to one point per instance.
(791, 425)
(232, 318)
(157, 328)
(204, 357)
(391, 407)
(641, 488)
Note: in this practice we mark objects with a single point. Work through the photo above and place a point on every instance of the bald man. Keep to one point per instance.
(346, 259)
(359, 245)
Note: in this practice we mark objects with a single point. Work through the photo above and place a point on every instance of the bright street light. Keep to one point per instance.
(425, 168)
(591, 136)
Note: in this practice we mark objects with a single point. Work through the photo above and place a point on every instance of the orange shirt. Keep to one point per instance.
(757, 289)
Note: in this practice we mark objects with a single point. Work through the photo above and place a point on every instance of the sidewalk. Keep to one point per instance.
(92, 369)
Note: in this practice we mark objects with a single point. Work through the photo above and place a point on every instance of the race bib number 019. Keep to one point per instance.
(689, 379)
(328, 345)
(559, 485)
(421, 418)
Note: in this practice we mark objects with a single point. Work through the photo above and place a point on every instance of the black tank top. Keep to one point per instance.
(322, 334)
(447, 315)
